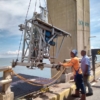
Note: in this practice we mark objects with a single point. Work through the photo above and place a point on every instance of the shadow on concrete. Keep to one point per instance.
(71, 98)
(40, 95)
(64, 98)
(96, 86)
(43, 96)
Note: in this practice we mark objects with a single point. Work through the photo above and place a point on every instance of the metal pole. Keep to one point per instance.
(93, 66)
(23, 54)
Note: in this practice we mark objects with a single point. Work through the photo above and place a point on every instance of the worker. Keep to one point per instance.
(85, 66)
(78, 78)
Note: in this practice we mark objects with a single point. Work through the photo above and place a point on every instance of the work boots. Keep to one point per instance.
(83, 97)
(77, 94)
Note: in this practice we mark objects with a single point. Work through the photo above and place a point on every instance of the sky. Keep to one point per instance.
(13, 12)
(95, 23)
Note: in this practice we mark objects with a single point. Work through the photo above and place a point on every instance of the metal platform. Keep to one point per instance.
(21, 88)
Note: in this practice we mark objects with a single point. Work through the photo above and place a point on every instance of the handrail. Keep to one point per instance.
(2, 82)
(5, 83)
(5, 68)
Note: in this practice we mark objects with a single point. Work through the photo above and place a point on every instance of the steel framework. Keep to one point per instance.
(39, 36)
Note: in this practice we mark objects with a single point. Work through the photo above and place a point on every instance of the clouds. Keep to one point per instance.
(13, 12)
(14, 52)
(11, 54)
(95, 23)
(1, 35)
(14, 7)
(94, 15)
(95, 41)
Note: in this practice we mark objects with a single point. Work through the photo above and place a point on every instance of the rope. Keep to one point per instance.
(36, 84)
(24, 79)
(56, 75)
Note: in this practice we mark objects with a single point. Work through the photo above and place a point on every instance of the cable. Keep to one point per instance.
(49, 14)
(19, 45)
(35, 5)
(28, 10)
(39, 3)
(22, 31)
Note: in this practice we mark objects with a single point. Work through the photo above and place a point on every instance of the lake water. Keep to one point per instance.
(46, 72)
(98, 58)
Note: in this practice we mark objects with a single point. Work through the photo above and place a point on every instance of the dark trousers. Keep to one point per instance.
(87, 83)
(80, 83)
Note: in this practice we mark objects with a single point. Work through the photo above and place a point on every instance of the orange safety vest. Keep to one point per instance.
(74, 62)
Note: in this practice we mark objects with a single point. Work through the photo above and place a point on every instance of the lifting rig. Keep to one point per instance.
(38, 39)
(39, 36)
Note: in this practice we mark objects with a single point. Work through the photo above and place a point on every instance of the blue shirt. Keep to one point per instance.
(85, 61)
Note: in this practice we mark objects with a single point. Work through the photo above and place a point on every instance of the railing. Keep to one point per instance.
(5, 84)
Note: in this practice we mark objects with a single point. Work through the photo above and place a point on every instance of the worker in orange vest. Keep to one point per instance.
(78, 77)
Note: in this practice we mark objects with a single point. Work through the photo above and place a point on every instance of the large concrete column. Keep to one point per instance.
(62, 13)
(83, 25)
(72, 16)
